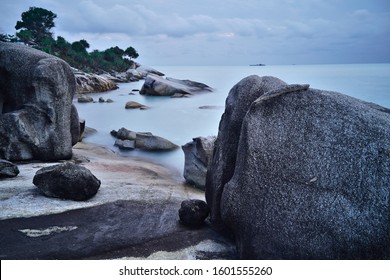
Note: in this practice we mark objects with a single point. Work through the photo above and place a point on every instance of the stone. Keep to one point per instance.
(158, 86)
(301, 173)
(84, 99)
(77, 125)
(135, 105)
(36, 93)
(193, 212)
(197, 157)
(125, 144)
(8, 169)
(149, 142)
(144, 71)
(101, 100)
(109, 100)
(67, 181)
(125, 134)
(89, 83)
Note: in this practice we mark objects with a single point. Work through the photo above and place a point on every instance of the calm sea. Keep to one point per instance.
(180, 119)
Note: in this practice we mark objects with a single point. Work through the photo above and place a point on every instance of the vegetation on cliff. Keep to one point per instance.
(35, 30)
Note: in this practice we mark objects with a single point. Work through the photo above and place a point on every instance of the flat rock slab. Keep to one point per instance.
(114, 230)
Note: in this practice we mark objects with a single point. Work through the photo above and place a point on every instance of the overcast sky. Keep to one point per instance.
(223, 32)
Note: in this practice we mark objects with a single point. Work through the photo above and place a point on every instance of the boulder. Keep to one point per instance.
(300, 173)
(36, 92)
(144, 140)
(158, 86)
(149, 142)
(77, 125)
(193, 212)
(144, 71)
(67, 181)
(125, 144)
(89, 83)
(135, 105)
(85, 99)
(197, 156)
(8, 169)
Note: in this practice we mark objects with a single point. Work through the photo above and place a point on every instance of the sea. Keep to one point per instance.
(181, 119)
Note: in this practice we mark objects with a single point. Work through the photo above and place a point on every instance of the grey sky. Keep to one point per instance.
(229, 32)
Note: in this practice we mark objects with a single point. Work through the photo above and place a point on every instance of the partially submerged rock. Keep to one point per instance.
(197, 155)
(8, 169)
(125, 144)
(144, 140)
(85, 99)
(135, 105)
(67, 181)
(299, 173)
(89, 83)
(35, 104)
(158, 86)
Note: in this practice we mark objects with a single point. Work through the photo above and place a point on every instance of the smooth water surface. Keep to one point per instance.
(180, 119)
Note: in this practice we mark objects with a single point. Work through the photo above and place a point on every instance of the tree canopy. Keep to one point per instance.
(36, 24)
(35, 30)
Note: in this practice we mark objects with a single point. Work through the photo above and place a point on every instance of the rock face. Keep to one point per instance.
(143, 140)
(193, 212)
(300, 173)
(88, 83)
(36, 91)
(8, 169)
(198, 155)
(67, 181)
(158, 86)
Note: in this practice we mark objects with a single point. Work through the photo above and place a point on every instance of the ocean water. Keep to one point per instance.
(180, 119)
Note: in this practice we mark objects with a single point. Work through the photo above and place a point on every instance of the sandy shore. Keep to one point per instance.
(134, 214)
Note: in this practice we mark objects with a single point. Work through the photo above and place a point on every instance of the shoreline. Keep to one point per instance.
(133, 215)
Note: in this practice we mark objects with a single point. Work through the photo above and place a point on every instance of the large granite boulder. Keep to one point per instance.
(158, 86)
(36, 91)
(300, 173)
(89, 83)
(197, 156)
(67, 181)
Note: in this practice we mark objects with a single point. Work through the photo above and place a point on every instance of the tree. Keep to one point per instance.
(7, 38)
(38, 22)
(80, 46)
(131, 52)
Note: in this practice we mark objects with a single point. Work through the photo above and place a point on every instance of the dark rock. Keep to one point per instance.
(150, 142)
(135, 105)
(193, 212)
(198, 155)
(76, 127)
(300, 173)
(8, 169)
(211, 107)
(101, 100)
(35, 104)
(109, 100)
(85, 99)
(125, 134)
(158, 86)
(67, 181)
(114, 133)
(125, 144)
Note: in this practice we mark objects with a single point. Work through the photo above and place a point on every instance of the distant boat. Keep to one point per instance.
(260, 64)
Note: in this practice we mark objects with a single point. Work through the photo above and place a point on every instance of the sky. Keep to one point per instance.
(223, 32)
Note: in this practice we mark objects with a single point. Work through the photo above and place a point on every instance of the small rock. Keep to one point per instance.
(193, 212)
(125, 144)
(67, 181)
(109, 100)
(135, 105)
(101, 100)
(125, 134)
(150, 142)
(85, 99)
(8, 169)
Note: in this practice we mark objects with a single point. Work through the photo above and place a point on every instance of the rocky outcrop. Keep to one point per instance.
(88, 83)
(144, 71)
(67, 181)
(158, 86)
(197, 157)
(125, 144)
(144, 140)
(35, 104)
(300, 173)
(8, 169)
(193, 212)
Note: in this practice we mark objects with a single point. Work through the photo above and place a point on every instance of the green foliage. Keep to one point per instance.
(35, 30)
(38, 22)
